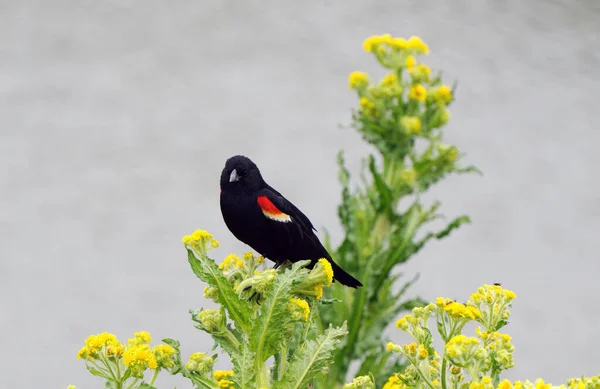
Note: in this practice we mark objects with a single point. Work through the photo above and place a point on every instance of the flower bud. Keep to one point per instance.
(211, 321)
(362, 382)
(200, 363)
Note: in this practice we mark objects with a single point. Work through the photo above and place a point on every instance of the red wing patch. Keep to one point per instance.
(271, 211)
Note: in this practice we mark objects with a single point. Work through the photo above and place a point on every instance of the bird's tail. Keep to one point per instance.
(342, 277)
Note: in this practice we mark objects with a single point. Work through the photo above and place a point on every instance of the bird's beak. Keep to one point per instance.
(233, 177)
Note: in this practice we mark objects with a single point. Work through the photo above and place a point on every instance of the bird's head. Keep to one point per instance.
(241, 175)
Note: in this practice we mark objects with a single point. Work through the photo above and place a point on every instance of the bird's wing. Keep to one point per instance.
(292, 209)
(285, 215)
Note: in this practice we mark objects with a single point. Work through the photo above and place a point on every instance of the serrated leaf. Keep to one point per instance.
(310, 359)
(208, 271)
(95, 371)
(243, 368)
(274, 314)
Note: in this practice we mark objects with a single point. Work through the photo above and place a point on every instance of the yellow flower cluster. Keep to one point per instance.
(378, 43)
(462, 350)
(200, 239)
(104, 342)
(199, 363)
(300, 309)
(394, 382)
(211, 321)
(232, 261)
(411, 124)
(450, 153)
(584, 383)
(142, 337)
(458, 310)
(361, 382)
(222, 378)
(139, 357)
(164, 355)
(443, 94)
(492, 293)
(357, 79)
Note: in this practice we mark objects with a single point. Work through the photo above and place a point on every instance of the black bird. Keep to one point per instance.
(262, 218)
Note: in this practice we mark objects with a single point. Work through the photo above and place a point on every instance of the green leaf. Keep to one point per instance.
(243, 368)
(207, 270)
(311, 358)
(95, 371)
(268, 329)
(454, 224)
(383, 191)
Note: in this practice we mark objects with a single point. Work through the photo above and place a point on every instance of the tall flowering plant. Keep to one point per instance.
(402, 115)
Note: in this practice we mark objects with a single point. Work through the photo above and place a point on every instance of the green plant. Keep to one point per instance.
(402, 116)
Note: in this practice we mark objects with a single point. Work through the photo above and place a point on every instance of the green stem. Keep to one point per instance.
(444, 368)
(231, 337)
(103, 370)
(282, 361)
(154, 376)
(133, 383)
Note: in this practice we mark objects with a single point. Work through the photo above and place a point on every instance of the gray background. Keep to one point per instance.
(117, 117)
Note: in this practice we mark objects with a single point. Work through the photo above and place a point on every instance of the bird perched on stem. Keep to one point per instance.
(262, 218)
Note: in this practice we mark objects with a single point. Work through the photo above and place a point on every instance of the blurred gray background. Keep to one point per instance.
(117, 117)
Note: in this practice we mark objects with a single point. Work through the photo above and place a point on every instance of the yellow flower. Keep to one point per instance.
(221, 376)
(214, 243)
(408, 176)
(510, 295)
(505, 385)
(356, 79)
(199, 234)
(418, 92)
(410, 63)
(443, 93)
(371, 42)
(318, 291)
(417, 44)
(411, 124)
(422, 352)
(540, 384)
(394, 382)
(164, 355)
(299, 309)
(327, 270)
(486, 380)
(115, 350)
(392, 347)
(142, 337)
(186, 239)
(138, 358)
(402, 324)
(399, 43)
(232, 261)
(389, 80)
(260, 259)
(422, 73)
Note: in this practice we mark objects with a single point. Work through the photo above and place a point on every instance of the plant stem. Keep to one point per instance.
(154, 376)
(444, 368)
(133, 383)
(282, 361)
